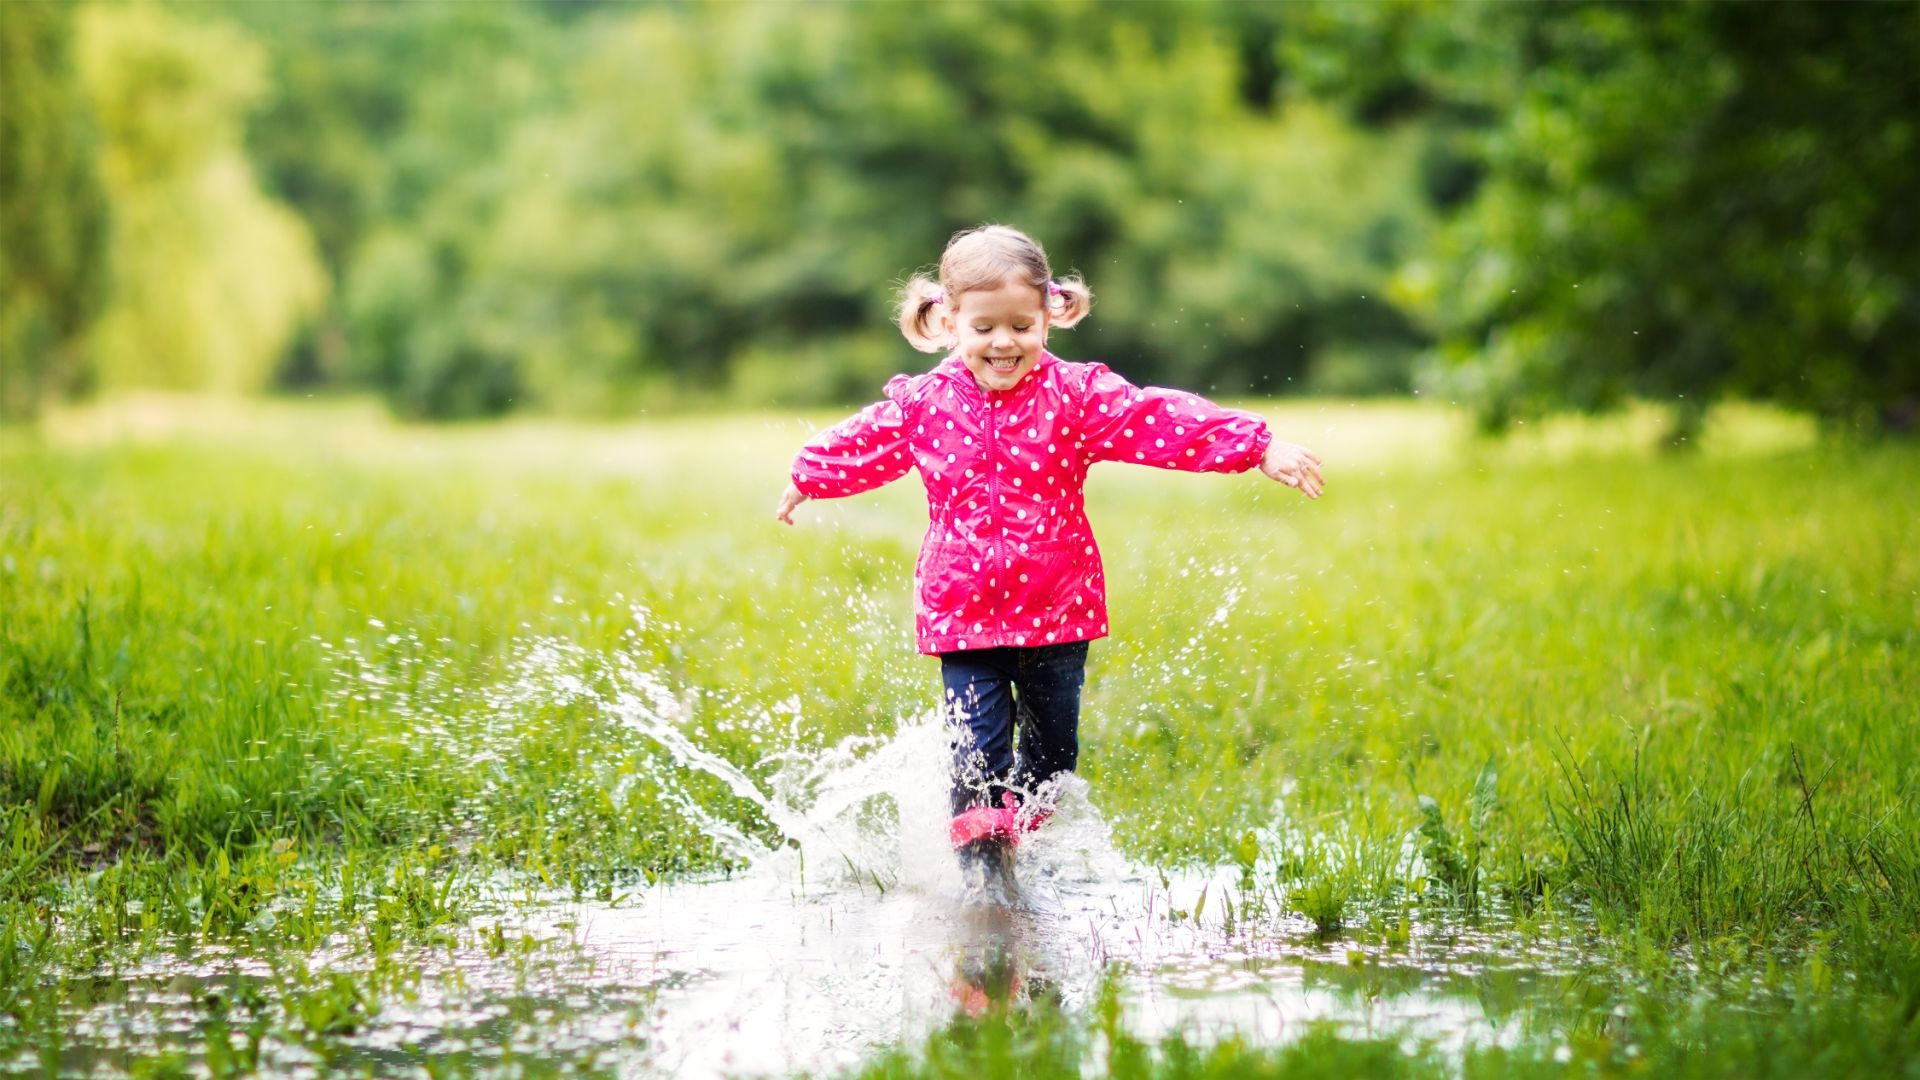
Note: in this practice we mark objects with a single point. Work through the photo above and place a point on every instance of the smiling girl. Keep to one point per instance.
(1009, 587)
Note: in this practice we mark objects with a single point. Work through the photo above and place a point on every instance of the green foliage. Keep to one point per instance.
(52, 210)
(678, 204)
(211, 279)
(475, 208)
(1454, 864)
(1682, 202)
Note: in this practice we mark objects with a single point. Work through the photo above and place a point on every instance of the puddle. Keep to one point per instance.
(849, 935)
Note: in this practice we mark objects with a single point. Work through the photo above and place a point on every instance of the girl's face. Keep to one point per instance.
(999, 332)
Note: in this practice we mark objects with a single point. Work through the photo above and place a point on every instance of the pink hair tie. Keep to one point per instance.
(937, 297)
(1053, 288)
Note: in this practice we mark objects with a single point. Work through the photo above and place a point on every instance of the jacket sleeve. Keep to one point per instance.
(1168, 429)
(858, 454)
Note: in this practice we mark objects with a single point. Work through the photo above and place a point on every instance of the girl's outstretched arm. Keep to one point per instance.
(858, 454)
(1174, 429)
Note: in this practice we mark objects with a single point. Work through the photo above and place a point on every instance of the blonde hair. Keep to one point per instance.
(982, 258)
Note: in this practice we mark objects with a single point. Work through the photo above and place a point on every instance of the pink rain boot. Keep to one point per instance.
(1002, 823)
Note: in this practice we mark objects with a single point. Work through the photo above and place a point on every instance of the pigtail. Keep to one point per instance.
(1068, 301)
(918, 315)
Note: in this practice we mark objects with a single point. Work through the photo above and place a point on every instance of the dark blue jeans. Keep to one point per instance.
(990, 692)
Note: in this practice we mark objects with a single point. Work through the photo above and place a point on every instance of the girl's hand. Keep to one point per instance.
(1295, 466)
(789, 499)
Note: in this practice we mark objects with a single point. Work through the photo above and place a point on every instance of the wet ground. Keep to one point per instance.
(765, 974)
(855, 935)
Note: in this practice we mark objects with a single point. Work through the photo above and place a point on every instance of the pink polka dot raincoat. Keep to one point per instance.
(1009, 557)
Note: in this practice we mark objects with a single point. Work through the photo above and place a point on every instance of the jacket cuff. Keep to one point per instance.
(1257, 453)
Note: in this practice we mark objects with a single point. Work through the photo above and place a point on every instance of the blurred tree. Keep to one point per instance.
(592, 209)
(210, 279)
(382, 113)
(1681, 202)
(53, 215)
(727, 191)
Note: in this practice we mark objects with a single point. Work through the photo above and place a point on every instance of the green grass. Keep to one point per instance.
(1670, 696)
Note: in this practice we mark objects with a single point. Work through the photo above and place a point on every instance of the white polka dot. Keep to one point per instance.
(1126, 433)
(1179, 429)
(1023, 577)
(1033, 433)
(1140, 455)
(1189, 453)
(950, 459)
(1089, 550)
(949, 425)
(1035, 466)
(1160, 442)
(1149, 419)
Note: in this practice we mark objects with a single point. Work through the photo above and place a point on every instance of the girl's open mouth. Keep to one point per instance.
(1003, 364)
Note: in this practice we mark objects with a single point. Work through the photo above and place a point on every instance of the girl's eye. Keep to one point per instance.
(1022, 329)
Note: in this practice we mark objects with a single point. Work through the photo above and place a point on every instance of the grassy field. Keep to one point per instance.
(1668, 699)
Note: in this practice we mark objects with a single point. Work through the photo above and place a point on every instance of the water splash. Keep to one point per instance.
(843, 929)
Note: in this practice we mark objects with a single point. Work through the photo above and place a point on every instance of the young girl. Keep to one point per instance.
(1008, 585)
